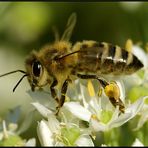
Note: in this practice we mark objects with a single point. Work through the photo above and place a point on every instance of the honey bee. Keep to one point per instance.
(60, 63)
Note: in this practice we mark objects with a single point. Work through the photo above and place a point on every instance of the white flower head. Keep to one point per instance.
(52, 132)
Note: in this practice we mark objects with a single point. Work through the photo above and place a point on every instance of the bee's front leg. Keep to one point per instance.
(63, 93)
(111, 90)
(53, 91)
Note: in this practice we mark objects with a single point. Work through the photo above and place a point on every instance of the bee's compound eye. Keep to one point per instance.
(36, 68)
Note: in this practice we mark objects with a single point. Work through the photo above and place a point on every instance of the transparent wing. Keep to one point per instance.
(56, 33)
(69, 27)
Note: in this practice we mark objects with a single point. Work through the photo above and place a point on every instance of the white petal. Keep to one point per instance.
(98, 126)
(84, 140)
(31, 142)
(122, 90)
(117, 120)
(53, 123)
(137, 143)
(95, 106)
(132, 80)
(44, 134)
(85, 95)
(130, 112)
(120, 120)
(142, 120)
(77, 110)
(115, 115)
(42, 109)
(38, 95)
(90, 102)
(43, 97)
(135, 107)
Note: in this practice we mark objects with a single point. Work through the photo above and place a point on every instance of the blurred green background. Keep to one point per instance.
(28, 25)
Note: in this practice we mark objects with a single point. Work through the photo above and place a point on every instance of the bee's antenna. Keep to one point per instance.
(19, 81)
(59, 58)
(13, 72)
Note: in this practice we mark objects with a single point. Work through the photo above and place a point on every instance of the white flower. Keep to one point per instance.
(30, 142)
(100, 113)
(78, 110)
(52, 132)
(84, 140)
(137, 143)
(44, 134)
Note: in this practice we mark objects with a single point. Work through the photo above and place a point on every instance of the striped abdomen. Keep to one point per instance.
(105, 58)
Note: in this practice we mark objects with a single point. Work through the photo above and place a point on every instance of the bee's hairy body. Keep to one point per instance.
(105, 58)
(92, 58)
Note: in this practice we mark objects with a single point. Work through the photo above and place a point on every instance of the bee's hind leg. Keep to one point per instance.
(103, 82)
(111, 90)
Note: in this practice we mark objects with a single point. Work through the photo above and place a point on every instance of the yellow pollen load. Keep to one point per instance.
(90, 88)
(112, 91)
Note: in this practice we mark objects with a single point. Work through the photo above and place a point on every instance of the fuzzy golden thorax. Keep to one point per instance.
(44, 63)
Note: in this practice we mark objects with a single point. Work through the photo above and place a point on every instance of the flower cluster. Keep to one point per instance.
(10, 132)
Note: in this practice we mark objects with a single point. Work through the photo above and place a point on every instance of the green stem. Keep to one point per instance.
(107, 137)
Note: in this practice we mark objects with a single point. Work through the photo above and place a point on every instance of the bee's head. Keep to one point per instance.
(37, 73)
